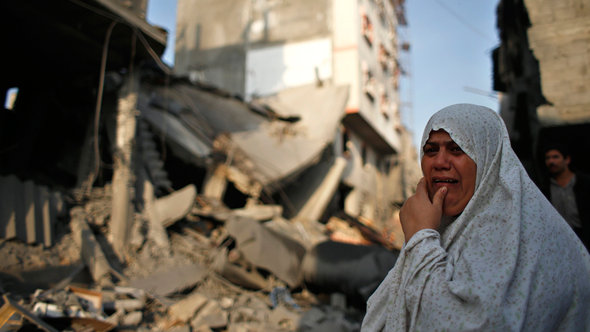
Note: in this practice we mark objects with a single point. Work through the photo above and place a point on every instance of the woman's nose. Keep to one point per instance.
(441, 160)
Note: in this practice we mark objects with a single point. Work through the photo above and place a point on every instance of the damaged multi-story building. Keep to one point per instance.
(63, 66)
(284, 132)
(297, 105)
(296, 56)
(542, 69)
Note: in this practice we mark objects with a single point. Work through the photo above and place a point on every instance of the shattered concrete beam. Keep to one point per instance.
(215, 182)
(176, 205)
(170, 279)
(259, 212)
(156, 232)
(236, 274)
(121, 215)
(319, 200)
(90, 250)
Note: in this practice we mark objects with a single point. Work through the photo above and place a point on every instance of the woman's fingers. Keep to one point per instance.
(418, 212)
(439, 198)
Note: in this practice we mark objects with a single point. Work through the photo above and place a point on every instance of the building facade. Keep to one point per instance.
(258, 48)
(541, 69)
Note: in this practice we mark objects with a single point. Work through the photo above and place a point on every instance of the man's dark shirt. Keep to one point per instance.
(582, 193)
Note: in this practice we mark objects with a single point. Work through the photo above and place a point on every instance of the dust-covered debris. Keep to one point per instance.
(181, 206)
(185, 289)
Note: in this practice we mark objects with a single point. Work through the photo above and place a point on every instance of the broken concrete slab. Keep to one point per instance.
(267, 249)
(215, 182)
(259, 212)
(91, 252)
(280, 149)
(132, 319)
(236, 274)
(211, 315)
(130, 291)
(186, 141)
(186, 308)
(308, 235)
(128, 305)
(325, 186)
(156, 230)
(249, 308)
(170, 279)
(176, 205)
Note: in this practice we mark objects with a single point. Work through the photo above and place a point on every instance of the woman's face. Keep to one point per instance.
(444, 164)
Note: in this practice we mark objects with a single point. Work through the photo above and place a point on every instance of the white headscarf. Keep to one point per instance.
(508, 262)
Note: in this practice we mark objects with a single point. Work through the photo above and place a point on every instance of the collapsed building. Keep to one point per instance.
(541, 70)
(162, 187)
(267, 48)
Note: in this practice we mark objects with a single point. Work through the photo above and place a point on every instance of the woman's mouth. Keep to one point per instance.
(444, 181)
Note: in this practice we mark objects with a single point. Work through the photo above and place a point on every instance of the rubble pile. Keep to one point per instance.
(224, 270)
(135, 199)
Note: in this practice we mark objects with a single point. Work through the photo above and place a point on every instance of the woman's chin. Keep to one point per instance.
(451, 211)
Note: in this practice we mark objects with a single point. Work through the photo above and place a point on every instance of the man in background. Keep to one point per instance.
(568, 191)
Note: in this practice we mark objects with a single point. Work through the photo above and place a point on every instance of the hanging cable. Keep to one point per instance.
(103, 63)
(463, 21)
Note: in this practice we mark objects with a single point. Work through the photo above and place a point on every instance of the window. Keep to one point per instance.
(384, 57)
(10, 99)
(369, 83)
(367, 29)
(384, 104)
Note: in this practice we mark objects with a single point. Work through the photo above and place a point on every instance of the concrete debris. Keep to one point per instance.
(156, 231)
(247, 278)
(132, 319)
(90, 249)
(11, 312)
(227, 278)
(186, 308)
(211, 315)
(154, 203)
(122, 172)
(171, 208)
(170, 279)
(266, 249)
(259, 212)
(318, 200)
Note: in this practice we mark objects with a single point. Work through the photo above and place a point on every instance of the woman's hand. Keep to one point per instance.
(419, 213)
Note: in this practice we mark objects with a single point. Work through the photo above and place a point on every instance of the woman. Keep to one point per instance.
(484, 249)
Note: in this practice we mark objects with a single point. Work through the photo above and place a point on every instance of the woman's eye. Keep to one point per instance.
(456, 149)
(428, 149)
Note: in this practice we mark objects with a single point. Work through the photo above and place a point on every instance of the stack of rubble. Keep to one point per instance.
(150, 202)
(244, 269)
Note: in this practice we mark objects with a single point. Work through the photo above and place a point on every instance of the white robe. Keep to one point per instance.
(508, 262)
